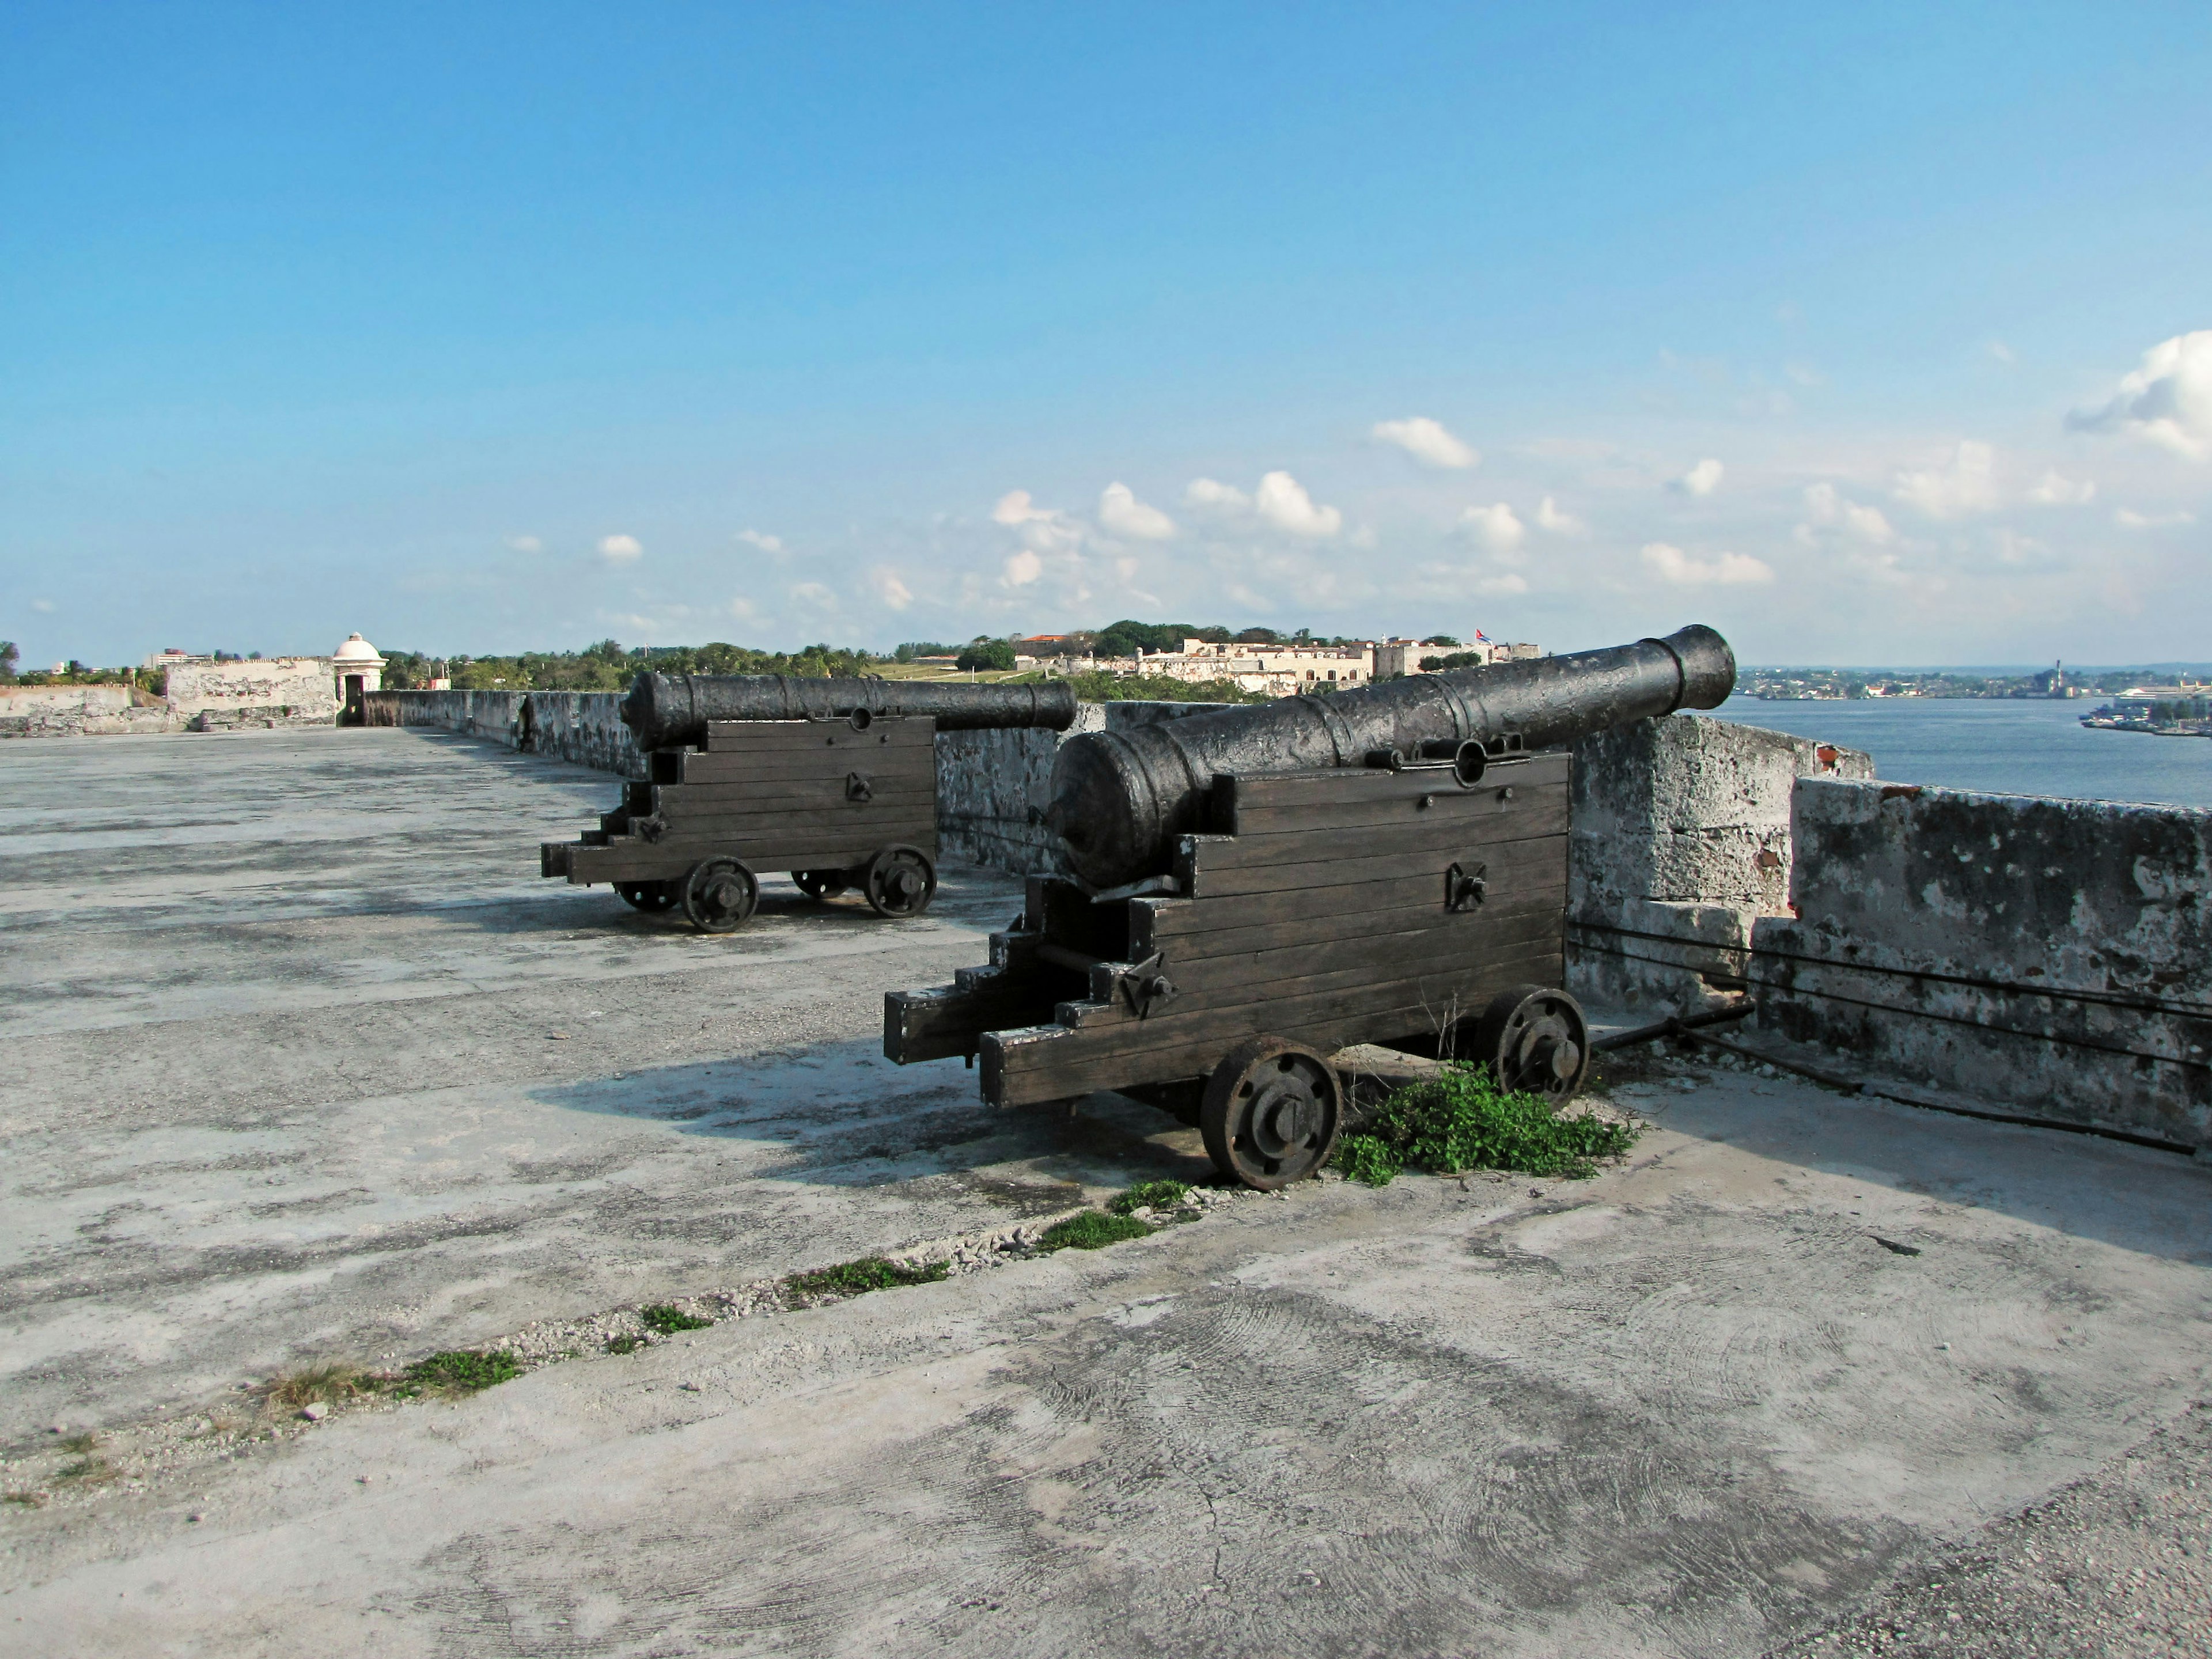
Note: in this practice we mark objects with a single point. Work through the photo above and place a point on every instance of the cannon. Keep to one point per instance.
(831, 781)
(1252, 890)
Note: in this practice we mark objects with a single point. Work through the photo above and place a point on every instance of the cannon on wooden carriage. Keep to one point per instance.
(1251, 890)
(832, 781)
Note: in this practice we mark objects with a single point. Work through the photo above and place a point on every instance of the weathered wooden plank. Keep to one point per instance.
(786, 792)
(1474, 812)
(1416, 879)
(951, 1019)
(693, 767)
(1054, 1062)
(1226, 981)
(1512, 860)
(1212, 856)
(1278, 947)
(1261, 791)
(553, 856)
(891, 822)
(811, 737)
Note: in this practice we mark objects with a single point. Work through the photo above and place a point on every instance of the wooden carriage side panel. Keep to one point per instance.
(1381, 957)
(777, 794)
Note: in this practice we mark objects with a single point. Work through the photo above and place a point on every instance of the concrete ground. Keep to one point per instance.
(307, 1065)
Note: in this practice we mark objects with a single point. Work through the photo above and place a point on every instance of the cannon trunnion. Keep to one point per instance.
(1413, 905)
(839, 804)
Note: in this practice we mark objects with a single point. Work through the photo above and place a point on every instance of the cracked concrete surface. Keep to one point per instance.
(1694, 1407)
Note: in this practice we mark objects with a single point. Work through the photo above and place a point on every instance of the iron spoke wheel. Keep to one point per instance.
(650, 896)
(899, 881)
(1534, 1040)
(820, 884)
(1271, 1112)
(719, 895)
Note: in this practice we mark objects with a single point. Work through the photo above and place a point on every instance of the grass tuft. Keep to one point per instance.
(1149, 1196)
(333, 1385)
(460, 1371)
(80, 1445)
(665, 1319)
(29, 1500)
(1094, 1230)
(870, 1273)
(625, 1344)
(1460, 1120)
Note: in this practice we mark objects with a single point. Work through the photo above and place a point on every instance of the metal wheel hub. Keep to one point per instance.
(901, 881)
(720, 895)
(1536, 1040)
(1271, 1113)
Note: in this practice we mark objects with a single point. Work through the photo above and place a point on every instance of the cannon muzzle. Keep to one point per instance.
(665, 709)
(1119, 799)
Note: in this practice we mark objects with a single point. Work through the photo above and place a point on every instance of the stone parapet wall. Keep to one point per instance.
(2056, 954)
(80, 711)
(582, 727)
(284, 690)
(1680, 841)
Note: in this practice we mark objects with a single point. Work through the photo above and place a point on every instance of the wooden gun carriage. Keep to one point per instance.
(836, 803)
(832, 780)
(1254, 889)
(1409, 906)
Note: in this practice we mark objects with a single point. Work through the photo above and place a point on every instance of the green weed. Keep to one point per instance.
(460, 1371)
(1149, 1196)
(666, 1320)
(870, 1273)
(1093, 1229)
(331, 1384)
(1460, 1120)
(625, 1344)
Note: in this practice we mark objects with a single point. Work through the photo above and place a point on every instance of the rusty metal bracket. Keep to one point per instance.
(859, 787)
(1466, 886)
(1146, 987)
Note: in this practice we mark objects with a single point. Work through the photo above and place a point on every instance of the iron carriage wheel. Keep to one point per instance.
(1271, 1112)
(821, 883)
(1534, 1039)
(720, 895)
(650, 896)
(899, 881)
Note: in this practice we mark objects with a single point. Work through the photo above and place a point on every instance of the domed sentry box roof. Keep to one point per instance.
(356, 649)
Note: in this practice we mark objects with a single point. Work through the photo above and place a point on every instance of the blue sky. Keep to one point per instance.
(484, 328)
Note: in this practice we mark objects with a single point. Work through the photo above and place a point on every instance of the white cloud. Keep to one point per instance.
(766, 543)
(1804, 373)
(1427, 442)
(526, 544)
(2055, 491)
(1551, 518)
(1965, 483)
(1015, 508)
(1121, 513)
(1728, 570)
(889, 588)
(2167, 401)
(44, 607)
(2128, 517)
(744, 610)
(621, 550)
(1702, 479)
(1495, 528)
(814, 595)
(1210, 496)
(1501, 586)
(1022, 569)
(1828, 507)
(2001, 352)
(1282, 500)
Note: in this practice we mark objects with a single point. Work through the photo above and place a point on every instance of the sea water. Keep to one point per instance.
(1998, 745)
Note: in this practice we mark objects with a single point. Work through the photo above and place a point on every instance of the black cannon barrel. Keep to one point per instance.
(664, 709)
(1120, 798)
